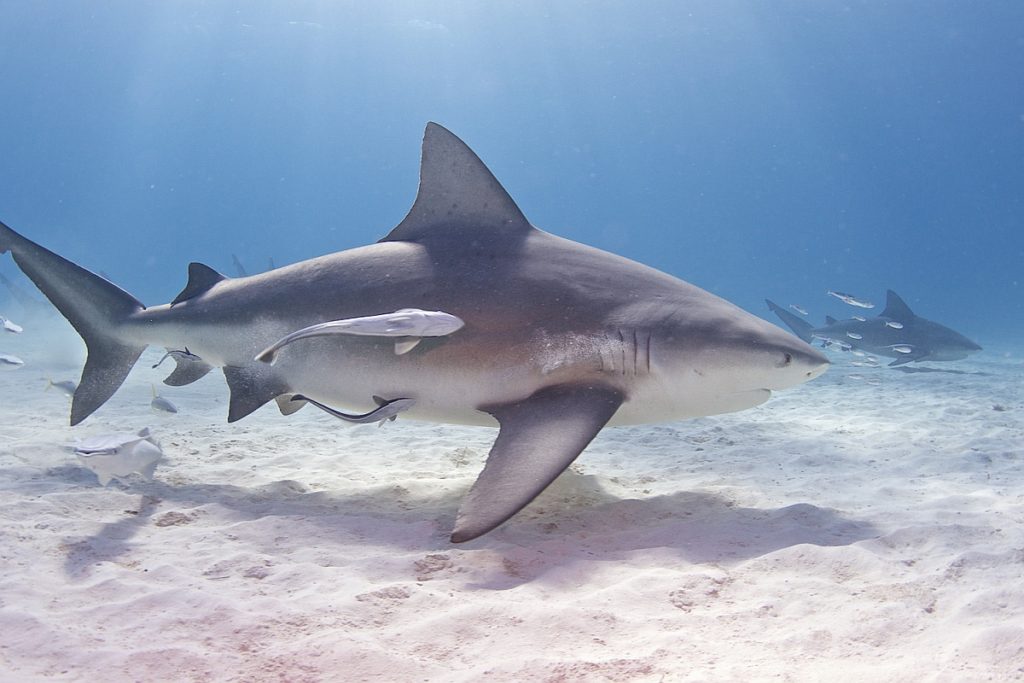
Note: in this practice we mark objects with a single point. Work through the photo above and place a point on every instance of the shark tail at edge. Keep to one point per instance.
(94, 306)
(801, 328)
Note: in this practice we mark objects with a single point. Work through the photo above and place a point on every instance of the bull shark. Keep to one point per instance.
(896, 333)
(560, 339)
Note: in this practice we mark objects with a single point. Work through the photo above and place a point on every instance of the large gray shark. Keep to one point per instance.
(559, 340)
(896, 333)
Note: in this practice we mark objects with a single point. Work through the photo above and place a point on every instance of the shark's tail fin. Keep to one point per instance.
(801, 328)
(94, 306)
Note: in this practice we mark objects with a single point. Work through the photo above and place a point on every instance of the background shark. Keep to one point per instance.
(560, 339)
(896, 333)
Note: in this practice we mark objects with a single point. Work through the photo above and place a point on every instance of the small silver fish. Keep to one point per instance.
(799, 309)
(858, 352)
(9, 362)
(860, 318)
(66, 387)
(10, 326)
(177, 354)
(902, 348)
(851, 299)
(855, 376)
(386, 410)
(161, 404)
(894, 325)
(854, 335)
(836, 344)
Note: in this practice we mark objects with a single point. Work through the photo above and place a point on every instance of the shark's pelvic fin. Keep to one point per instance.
(539, 437)
(94, 306)
(909, 358)
(200, 279)
(457, 193)
(896, 308)
(251, 386)
(186, 371)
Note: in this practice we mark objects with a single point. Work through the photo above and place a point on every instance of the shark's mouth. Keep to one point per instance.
(749, 398)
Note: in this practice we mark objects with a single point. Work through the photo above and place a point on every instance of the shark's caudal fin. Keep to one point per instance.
(94, 306)
(801, 328)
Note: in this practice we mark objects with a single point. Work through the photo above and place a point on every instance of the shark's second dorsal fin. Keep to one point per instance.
(457, 193)
(829, 320)
(896, 308)
(200, 279)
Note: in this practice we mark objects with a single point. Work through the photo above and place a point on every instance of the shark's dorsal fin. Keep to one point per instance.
(457, 193)
(829, 320)
(200, 279)
(896, 308)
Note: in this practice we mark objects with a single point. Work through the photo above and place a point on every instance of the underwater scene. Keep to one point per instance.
(553, 341)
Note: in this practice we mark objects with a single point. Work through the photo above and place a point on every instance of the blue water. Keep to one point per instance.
(755, 149)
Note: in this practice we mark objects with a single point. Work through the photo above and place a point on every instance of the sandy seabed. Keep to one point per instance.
(868, 526)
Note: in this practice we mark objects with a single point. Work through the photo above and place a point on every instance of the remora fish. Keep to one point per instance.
(560, 338)
(385, 410)
(851, 299)
(178, 355)
(409, 322)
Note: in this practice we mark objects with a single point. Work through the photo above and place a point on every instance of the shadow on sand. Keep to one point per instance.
(924, 368)
(576, 520)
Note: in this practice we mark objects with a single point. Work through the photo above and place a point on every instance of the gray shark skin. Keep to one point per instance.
(926, 340)
(560, 339)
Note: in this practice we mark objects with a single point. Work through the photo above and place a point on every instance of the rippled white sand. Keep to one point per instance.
(850, 529)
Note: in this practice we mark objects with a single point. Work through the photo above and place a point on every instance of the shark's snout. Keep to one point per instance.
(802, 363)
(819, 370)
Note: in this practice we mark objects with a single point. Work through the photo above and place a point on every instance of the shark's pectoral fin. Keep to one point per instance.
(909, 358)
(539, 437)
(251, 386)
(186, 371)
(288, 404)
